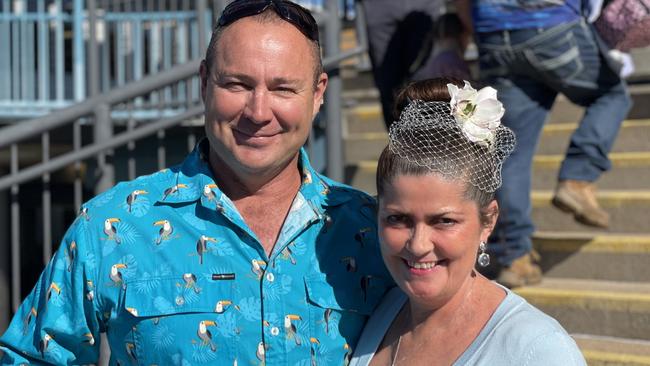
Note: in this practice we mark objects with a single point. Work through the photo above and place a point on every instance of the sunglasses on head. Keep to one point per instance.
(293, 13)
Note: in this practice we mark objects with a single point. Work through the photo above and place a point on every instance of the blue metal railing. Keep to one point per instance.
(47, 63)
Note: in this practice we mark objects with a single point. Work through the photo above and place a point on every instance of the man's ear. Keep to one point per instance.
(204, 74)
(319, 92)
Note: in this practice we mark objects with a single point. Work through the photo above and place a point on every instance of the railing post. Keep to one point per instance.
(5, 285)
(219, 5)
(362, 36)
(201, 13)
(333, 94)
(15, 234)
(93, 51)
(103, 131)
(79, 55)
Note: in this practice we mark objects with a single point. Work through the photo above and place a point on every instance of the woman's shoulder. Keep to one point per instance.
(528, 336)
(377, 326)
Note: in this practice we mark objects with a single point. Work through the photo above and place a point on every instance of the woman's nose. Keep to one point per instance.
(420, 242)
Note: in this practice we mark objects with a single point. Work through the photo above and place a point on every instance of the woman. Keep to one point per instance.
(435, 184)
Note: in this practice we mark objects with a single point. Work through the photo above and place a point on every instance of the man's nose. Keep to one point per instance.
(258, 108)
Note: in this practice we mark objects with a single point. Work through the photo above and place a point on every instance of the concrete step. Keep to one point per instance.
(628, 210)
(633, 136)
(610, 257)
(613, 351)
(614, 309)
(629, 171)
(364, 112)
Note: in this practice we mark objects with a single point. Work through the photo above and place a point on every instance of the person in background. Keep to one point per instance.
(400, 44)
(531, 51)
(449, 44)
(243, 254)
(435, 183)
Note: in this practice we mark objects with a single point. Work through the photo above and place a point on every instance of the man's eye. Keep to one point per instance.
(285, 90)
(234, 85)
(446, 221)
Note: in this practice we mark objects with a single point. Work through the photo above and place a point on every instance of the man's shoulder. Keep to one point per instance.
(130, 196)
(346, 193)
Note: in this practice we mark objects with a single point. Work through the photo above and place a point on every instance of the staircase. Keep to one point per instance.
(596, 282)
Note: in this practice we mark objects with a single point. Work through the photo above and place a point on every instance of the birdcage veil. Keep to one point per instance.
(457, 139)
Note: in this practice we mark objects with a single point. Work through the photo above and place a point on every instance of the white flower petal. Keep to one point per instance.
(469, 95)
(477, 134)
(486, 93)
(453, 92)
(488, 111)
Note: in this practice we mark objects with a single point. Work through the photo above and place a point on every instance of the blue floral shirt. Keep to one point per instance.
(167, 267)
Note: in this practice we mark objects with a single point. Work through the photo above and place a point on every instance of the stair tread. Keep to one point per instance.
(637, 291)
(366, 109)
(622, 158)
(579, 235)
(609, 243)
(612, 345)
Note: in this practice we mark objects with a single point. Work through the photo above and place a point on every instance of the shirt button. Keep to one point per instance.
(270, 277)
(275, 331)
(180, 300)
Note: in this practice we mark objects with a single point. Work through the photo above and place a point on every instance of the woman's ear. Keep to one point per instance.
(490, 219)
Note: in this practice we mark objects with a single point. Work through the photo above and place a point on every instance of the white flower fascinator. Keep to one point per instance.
(478, 112)
(462, 138)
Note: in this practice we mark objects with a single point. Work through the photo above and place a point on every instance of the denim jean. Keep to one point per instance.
(529, 67)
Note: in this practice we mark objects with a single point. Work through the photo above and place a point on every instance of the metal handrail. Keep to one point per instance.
(121, 139)
(26, 129)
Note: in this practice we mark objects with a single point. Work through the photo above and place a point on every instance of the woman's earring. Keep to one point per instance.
(483, 258)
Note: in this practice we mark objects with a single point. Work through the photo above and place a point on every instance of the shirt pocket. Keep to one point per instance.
(339, 308)
(182, 318)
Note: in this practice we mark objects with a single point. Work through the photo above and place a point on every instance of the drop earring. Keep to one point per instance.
(483, 258)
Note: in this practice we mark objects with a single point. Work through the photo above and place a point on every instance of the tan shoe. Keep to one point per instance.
(523, 271)
(579, 198)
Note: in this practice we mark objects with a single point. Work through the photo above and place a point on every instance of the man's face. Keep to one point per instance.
(259, 96)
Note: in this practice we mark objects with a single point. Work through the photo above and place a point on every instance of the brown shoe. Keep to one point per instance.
(523, 271)
(579, 198)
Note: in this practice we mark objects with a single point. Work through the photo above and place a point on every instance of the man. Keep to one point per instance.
(530, 51)
(241, 255)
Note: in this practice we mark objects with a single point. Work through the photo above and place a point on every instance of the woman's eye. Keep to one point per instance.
(394, 219)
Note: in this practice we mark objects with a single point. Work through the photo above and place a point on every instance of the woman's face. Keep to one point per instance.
(429, 235)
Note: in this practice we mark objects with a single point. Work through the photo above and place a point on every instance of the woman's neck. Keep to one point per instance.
(449, 312)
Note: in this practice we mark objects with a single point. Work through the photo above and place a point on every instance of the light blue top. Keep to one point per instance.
(517, 334)
(202, 290)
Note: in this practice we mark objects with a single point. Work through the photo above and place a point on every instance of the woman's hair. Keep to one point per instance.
(391, 164)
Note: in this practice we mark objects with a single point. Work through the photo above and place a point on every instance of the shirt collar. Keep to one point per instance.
(189, 178)
(194, 175)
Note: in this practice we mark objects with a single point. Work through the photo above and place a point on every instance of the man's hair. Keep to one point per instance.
(269, 16)
(392, 165)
